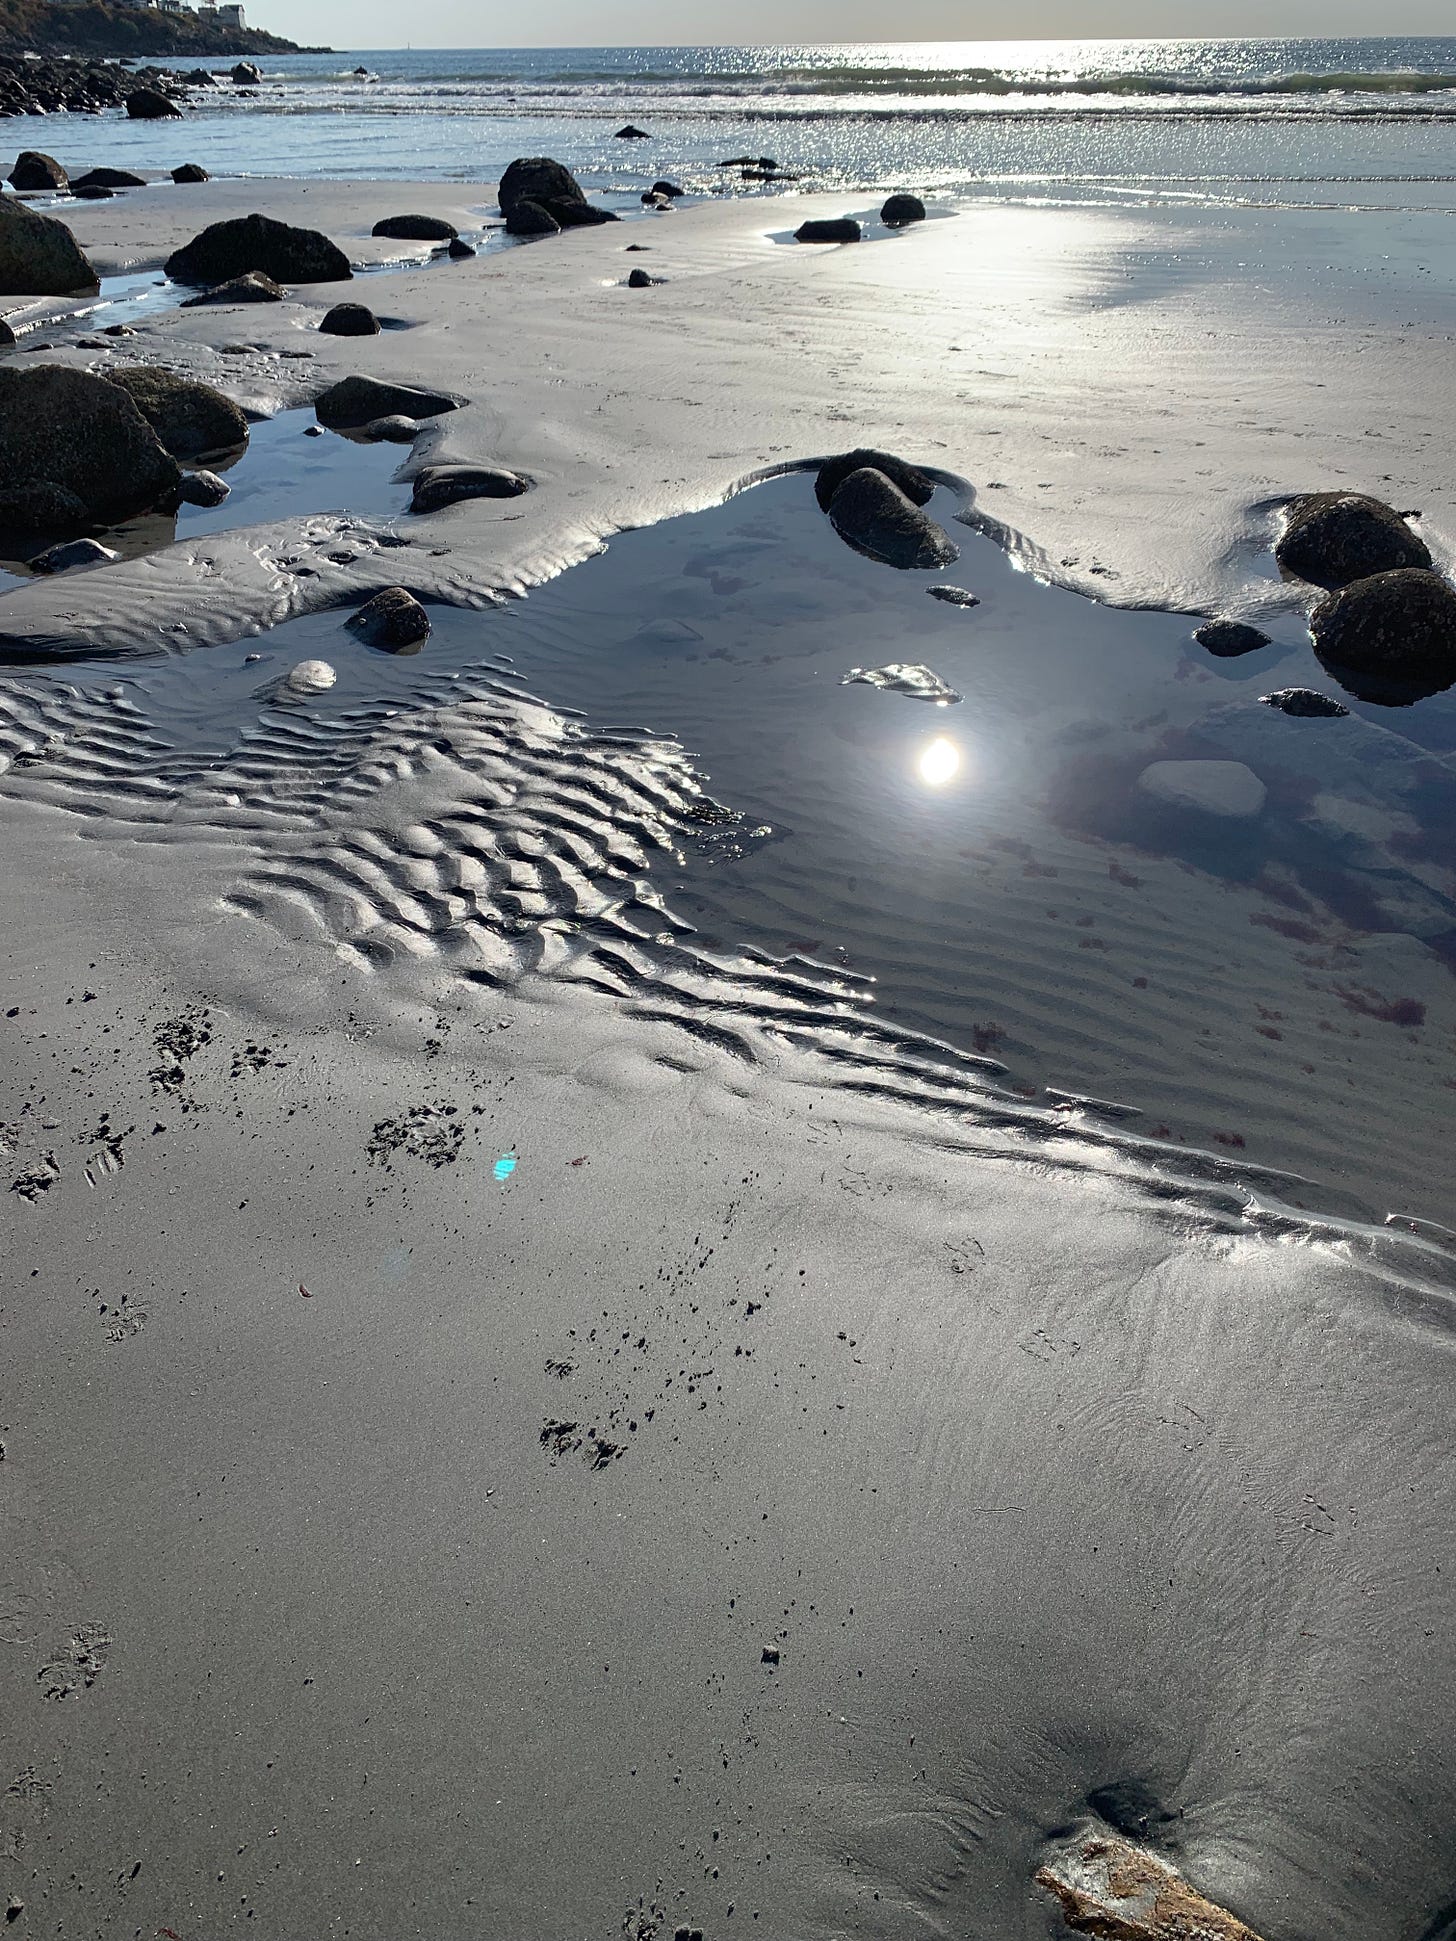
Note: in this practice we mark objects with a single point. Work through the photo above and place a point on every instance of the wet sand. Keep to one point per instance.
(503, 1437)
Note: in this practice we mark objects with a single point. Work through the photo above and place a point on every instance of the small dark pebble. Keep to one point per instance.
(1226, 638)
(770, 1654)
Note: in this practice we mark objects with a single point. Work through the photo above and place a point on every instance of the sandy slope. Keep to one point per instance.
(391, 1548)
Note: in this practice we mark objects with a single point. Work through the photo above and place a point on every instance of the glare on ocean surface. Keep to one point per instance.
(938, 762)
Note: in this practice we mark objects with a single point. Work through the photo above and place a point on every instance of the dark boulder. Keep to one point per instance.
(652, 200)
(245, 75)
(252, 288)
(631, 134)
(349, 320)
(416, 229)
(146, 104)
(954, 596)
(360, 400)
(190, 172)
(199, 78)
(669, 189)
(7, 336)
(1226, 639)
(459, 249)
(640, 280)
(228, 249)
(187, 416)
(901, 210)
(442, 485)
(93, 192)
(109, 178)
(1334, 538)
(71, 553)
(75, 449)
(34, 171)
(1303, 701)
(875, 517)
(1392, 636)
(553, 188)
(393, 619)
(918, 489)
(39, 257)
(828, 229)
(528, 218)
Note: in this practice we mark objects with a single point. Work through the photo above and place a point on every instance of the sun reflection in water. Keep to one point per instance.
(938, 762)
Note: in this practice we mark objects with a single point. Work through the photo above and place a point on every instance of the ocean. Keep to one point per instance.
(1349, 123)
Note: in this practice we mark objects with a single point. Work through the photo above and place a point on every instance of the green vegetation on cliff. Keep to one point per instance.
(51, 27)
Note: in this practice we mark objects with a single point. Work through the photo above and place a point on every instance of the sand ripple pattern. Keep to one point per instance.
(483, 835)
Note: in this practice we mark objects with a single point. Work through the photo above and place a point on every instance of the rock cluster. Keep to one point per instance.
(30, 87)
(1386, 629)
(538, 197)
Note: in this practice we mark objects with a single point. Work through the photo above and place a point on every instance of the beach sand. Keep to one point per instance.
(486, 1456)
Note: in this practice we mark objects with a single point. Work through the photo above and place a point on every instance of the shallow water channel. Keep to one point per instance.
(1261, 970)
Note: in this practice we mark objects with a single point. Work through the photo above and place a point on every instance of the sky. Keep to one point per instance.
(589, 23)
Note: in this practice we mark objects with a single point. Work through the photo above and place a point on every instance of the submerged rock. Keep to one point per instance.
(1303, 701)
(245, 75)
(1228, 638)
(74, 450)
(874, 516)
(442, 485)
(34, 171)
(394, 430)
(311, 677)
(1334, 538)
(109, 178)
(553, 189)
(148, 104)
(202, 488)
(1392, 630)
(252, 288)
(190, 172)
(349, 320)
(1107, 1886)
(919, 682)
(828, 229)
(359, 400)
(832, 473)
(393, 619)
(955, 596)
(93, 192)
(257, 243)
(632, 134)
(187, 416)
(1226, 789)
(899, 211)
(39, 257)
(416, 229)
(73, 552)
